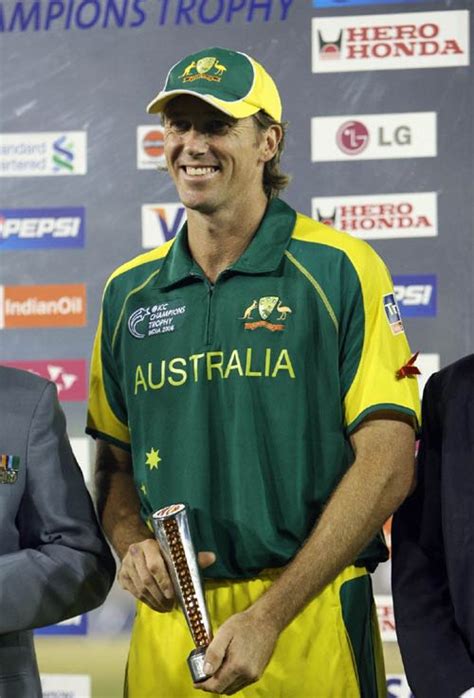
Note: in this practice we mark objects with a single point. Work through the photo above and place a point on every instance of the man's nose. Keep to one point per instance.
(195, 141)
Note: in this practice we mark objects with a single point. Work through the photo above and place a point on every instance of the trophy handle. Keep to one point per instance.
(172, 531)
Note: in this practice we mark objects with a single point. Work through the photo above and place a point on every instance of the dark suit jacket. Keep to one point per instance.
(54, 561)
(433, 543)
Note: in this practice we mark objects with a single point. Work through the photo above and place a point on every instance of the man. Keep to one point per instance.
(433, 549)
(249, 369)
(54, 561)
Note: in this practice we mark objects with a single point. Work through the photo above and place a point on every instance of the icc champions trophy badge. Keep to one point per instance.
(172, 533)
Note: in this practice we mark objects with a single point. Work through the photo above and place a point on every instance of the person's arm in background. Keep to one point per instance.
(437, 662)
(65, 566)
(143, 570)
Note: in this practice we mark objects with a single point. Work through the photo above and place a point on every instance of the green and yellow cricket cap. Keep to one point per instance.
(229, 80)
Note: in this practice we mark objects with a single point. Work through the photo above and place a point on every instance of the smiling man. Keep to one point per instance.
(251, 368)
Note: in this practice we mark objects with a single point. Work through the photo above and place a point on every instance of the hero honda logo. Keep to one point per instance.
(416, 295)
(380, 216)
(373, 136)
(389, 42)
(42, 228)
(160, 223)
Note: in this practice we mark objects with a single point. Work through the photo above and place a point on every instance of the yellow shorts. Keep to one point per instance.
(332, 649)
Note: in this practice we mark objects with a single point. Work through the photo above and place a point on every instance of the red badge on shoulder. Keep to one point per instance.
(409, 369)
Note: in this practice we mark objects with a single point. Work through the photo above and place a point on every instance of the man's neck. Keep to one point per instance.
(217, 240)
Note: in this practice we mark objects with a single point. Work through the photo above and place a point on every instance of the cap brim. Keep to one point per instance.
(239, 110)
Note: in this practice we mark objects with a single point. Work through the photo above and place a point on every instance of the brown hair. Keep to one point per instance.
(274, 180)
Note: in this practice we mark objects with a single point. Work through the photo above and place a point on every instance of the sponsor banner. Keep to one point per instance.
(67, 15)
(66, 686)
(380, 216)
(373, 136)
(51, 305)
(397, 686)
(390, 42)
(350, 3)
(43, 154)
(150, 148)
(72, 626)
(386, 617)
(161, 222)
(41, 228)
(416, 294)
(81, 448)
(69, 375)
(428, 364)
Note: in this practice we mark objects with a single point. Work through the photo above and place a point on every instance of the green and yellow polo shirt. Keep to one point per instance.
(238, 397)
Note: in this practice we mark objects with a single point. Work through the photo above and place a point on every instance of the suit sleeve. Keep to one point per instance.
(64, 567)
(436, 660)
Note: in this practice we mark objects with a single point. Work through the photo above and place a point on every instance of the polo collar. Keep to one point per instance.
(263, 255)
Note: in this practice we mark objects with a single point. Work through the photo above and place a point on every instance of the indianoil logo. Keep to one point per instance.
(52, 305)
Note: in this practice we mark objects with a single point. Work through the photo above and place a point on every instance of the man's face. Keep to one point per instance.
(213, 159)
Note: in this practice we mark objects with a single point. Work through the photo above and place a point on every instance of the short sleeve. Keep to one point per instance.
(107, 414)
(373, 344)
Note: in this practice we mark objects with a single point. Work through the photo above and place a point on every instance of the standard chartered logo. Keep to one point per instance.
(213, 365)
(63, 154)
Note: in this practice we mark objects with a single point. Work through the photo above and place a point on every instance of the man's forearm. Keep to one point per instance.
(121, 514)
(369, 492)
(118, 504)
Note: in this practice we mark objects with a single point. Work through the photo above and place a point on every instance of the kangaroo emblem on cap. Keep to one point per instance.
(188, 69)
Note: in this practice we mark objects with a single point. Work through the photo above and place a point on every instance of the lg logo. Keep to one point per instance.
(353, 137)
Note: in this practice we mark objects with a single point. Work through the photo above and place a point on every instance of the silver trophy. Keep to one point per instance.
(172, 532)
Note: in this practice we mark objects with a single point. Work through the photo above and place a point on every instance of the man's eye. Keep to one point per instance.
(218, 127)
(179, 125)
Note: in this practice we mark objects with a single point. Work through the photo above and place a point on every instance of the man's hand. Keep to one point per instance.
(144, 574)
(239, 653)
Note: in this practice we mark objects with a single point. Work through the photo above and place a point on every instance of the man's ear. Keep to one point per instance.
(270, 141)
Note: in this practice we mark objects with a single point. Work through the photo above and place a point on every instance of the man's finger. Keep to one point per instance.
(206, 559)
(152, 573)
(216, 652)
(136, 577)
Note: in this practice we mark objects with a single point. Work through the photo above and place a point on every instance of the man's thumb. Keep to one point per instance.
(206, 559)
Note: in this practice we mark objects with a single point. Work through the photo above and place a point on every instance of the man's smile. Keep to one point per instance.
(200, 170)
